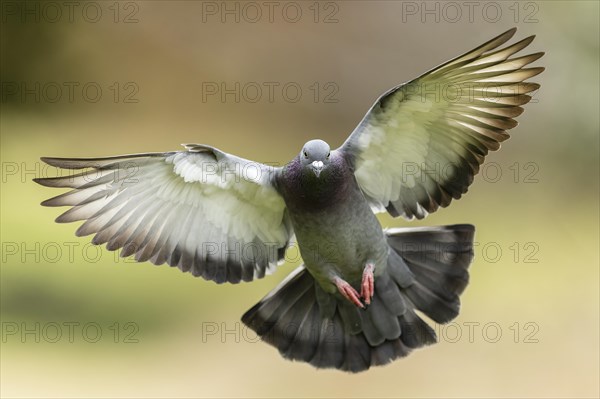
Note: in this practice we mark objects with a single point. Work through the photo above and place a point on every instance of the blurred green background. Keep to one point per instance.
(535, 276)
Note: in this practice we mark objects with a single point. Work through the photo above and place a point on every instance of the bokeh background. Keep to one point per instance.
(529, 320)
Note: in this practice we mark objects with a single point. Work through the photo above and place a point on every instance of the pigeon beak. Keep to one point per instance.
(317, 167)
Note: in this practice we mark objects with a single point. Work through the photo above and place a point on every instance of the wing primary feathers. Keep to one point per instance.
(171, 206)
(448, 119)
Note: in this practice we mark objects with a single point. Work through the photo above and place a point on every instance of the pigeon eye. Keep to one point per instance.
(305, 154)
(328, 154)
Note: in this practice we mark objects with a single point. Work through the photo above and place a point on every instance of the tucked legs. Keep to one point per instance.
(348, 291)
(367, 286)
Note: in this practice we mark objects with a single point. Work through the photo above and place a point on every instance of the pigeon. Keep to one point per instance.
(354, 301)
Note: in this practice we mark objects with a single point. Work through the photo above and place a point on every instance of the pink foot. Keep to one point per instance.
(348, 292)
(367, 286)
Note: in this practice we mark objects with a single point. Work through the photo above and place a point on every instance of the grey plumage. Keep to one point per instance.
(427, 273)
(353, 303)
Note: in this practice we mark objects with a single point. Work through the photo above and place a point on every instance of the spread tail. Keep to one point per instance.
(426, 271)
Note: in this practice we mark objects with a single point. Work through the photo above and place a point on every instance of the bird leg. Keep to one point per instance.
(367, 286)
(348, 291)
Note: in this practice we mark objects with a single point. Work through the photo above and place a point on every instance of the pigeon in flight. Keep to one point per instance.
(353, 302)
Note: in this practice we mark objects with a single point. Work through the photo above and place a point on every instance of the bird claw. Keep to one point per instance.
(348, 292)
(367, 286)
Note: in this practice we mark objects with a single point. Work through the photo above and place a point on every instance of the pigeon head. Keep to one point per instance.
(315, 156)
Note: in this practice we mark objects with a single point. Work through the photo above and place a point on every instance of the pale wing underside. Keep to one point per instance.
(422, 142)
(202, 210)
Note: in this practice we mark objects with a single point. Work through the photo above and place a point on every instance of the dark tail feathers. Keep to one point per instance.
(427, 271)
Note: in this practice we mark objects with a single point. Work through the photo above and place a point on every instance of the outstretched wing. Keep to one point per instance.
(202, 210)
(422, 142)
